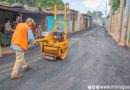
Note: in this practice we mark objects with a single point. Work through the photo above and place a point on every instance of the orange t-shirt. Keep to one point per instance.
(20, 36)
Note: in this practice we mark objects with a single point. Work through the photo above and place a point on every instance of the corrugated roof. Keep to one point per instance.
(23, 10)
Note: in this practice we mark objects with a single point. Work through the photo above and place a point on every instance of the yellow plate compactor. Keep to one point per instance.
(55, 45)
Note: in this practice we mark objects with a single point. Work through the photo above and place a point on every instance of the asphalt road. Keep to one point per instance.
(93, 59)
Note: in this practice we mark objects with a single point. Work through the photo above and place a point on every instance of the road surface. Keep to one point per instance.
(93, 59)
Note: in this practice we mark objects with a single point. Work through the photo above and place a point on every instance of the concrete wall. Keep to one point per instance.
(115, 33)
(123, 36)
(114, 26)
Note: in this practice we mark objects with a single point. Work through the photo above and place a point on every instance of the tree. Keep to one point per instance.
(50, 4)
(39, 3)
(9, 1)
(116, 4)
(97, 14)
(89, 13)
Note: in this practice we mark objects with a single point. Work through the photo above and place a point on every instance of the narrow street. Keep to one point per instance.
(94, 58)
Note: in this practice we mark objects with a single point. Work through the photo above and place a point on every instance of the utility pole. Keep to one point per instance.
(111, 12)
(106, 16)
(126, 21)
(106, 10)
(120, 19)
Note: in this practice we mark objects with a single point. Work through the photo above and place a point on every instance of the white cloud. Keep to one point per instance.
(84, 5)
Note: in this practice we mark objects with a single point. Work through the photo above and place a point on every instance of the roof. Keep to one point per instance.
(86, 15)
(59, 12)
(71, 10)
(18, 7)
(23, 10)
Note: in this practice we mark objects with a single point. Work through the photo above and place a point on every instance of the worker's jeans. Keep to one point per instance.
(20, 61)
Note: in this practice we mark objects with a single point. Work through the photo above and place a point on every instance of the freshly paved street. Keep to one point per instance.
(93, 59)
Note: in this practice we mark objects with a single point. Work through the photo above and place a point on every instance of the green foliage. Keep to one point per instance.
(39, 3)
(50, 3)
(116, 4)
(9, 1)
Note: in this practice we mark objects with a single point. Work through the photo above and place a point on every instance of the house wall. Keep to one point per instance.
(84, 22)
(74, 22)
(114, 23)
(50, 23)
(77, 24)
(61, 26)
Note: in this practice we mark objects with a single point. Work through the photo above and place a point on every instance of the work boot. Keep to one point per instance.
(26, 67)
(16, 76)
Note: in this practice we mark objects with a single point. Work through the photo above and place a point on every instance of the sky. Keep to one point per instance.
(93, 5)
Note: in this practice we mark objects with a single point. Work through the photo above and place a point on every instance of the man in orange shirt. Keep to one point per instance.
(21, 38)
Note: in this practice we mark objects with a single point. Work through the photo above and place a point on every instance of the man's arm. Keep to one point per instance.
(31, 37)
(9, 26)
